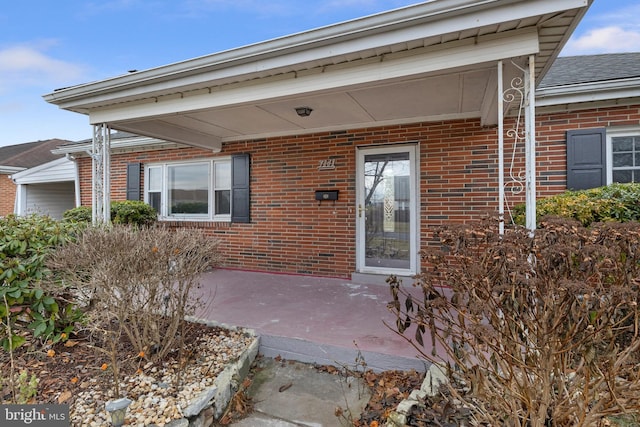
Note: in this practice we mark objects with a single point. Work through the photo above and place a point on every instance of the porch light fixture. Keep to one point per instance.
(304, 111)
(118, 410)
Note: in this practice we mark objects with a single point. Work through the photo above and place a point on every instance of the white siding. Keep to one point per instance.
(55, 171)
(50, 199)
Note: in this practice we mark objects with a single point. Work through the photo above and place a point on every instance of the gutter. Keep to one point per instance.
(588, 92)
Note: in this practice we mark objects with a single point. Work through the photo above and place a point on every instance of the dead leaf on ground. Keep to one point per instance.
(64, 396)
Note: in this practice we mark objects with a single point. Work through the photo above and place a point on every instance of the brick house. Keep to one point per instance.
(336, 151)
(33, 179)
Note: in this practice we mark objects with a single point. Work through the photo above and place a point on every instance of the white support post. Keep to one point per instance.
(96, 175)
(530, 143)
(19, 204)
(501, 194)
(100, 174)
(106, 177)
(76, 182)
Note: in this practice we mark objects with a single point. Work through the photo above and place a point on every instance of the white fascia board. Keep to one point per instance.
(387, 29)
(588, 92)
(10, 169)
(39, 173)
(128, 143)
(465, 53)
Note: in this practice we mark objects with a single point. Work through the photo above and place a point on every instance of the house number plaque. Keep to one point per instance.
(327, 164)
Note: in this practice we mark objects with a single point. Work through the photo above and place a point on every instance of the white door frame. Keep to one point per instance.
(362, 151)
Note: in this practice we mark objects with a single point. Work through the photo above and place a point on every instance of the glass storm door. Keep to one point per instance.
(386, 211)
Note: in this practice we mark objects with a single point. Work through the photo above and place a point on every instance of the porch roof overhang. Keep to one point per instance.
(426, 62)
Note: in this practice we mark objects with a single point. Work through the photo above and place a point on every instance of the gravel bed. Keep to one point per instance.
(157, 397)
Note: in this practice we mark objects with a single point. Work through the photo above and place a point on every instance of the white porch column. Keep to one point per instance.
(501, 194)
(101, 174)
(530, 144)
(20, 203)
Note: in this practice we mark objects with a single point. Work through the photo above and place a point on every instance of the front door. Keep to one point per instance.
(386, 210)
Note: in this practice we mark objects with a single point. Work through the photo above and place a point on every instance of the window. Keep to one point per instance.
(599, 156)
(625, 156)
(188, 189)
(199, 190)
(154, 187)
(222, 188)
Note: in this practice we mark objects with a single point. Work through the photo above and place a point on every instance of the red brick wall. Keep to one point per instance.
(551, 140)
(291, 232)
(7, 195)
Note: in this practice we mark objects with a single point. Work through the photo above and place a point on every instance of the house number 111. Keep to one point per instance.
(327, 164)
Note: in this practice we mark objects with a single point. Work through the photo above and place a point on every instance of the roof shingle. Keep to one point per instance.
(570, 70)
(30, 154)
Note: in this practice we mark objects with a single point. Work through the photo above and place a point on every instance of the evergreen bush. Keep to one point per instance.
(80, 214)
(27, 301)
(129, 212)
(615, 202)
(133, 212)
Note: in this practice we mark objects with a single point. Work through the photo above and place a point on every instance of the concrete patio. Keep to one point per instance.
(310, 319)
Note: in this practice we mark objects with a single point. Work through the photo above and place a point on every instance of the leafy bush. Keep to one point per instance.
(25, 242)
(615, 202)
(131, 212)
(80, 214)
(531, 331)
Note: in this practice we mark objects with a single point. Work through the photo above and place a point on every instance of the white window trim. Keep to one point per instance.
(616, 133)
(163, 215)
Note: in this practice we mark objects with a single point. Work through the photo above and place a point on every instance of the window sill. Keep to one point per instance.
(194, 223)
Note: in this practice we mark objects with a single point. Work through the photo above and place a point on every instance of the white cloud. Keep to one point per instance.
(609, 26)
(24, 65)
(604, 40)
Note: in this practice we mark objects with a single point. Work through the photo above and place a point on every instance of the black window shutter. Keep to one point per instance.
(586, 158)
(133, 181)
(240, 206)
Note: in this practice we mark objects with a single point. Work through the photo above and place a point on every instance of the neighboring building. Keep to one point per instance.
(34, 180)
(339, 150)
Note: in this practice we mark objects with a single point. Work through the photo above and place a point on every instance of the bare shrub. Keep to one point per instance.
(532, 331)
(139, 281)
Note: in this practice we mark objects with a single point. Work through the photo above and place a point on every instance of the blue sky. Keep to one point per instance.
(45, 45)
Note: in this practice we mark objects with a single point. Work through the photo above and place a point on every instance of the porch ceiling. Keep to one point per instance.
(432, 61)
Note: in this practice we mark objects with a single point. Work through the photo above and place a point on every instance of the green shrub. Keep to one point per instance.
(130, 212)
(615, 202)
(79, 214)
(25, 242)
(133, 212)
